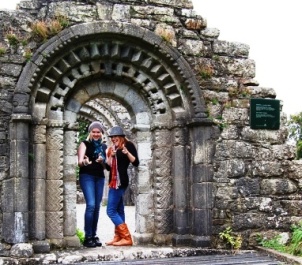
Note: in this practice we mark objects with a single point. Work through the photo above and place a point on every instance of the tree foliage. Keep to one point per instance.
(83, 132)
(295, 132)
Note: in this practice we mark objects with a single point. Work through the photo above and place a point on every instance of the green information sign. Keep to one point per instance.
(264, 114)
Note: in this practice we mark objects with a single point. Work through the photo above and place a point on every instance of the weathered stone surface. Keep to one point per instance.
(22, 250)
(182, 96)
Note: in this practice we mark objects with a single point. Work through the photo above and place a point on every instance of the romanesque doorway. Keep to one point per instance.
(154, 83)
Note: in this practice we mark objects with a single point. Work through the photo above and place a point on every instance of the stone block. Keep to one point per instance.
(39, 161)
(142, 119)
(3, 163)
(23, 83)
(15, 201)
(202, 173)
(16, 227)
(144, 150)
(142, 135)
(201, 241)
(54, 194)
(73, 106)
(142, 238)
(70, 221)
(181, 222)
(41, 247)
(134, 31)
(19, 128)
(202, 195)
(39, 111)
(83, 29)
(143, 182)
(121, 12)
(38, 196)
(153, 39)
(37, 223)
(181, 240)
(70, 116)
(179, 161)
(46, 50)
(54, 225)
(22, 250)
(107, 87)
(145, 223)
(10, 69)
(104, 11)
(72, 242)
(55, 114)
(180, 192)
(8, 198)
(19, 157)
(163, 221)
(202, 222)
(144, 204)
(93, 89)
(70, 163)
(70, 195)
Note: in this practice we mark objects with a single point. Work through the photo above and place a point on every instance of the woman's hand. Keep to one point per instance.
(125, 150)
(99, 159)
(86, 161)
(113, 151)
(128, 154)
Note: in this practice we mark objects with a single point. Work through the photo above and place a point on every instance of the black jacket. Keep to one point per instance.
(94, 169)
(123, 164)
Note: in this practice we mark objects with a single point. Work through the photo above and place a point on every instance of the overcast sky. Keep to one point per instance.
(272, 30)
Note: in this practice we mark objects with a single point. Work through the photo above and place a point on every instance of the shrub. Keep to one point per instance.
(235, 241)
(80, 235)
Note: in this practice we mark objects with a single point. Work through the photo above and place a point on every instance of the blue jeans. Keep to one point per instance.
(92, 188)
(115, 206)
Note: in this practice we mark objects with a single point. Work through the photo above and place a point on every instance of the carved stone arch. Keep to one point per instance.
(115, 49)
(140, 67)
(97, 109)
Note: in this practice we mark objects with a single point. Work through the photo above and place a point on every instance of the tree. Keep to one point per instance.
(295, 132)
(83, 130)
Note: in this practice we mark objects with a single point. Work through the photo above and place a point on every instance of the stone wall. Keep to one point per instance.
(243, 178)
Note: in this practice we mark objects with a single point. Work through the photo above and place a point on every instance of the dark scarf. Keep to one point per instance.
(98, 149)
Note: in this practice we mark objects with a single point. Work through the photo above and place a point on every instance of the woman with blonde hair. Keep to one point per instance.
(120, 154)
(91, 160)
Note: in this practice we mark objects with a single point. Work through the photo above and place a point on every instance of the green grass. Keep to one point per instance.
(294, 245)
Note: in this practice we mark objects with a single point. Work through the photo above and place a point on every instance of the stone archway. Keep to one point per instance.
(156, 85)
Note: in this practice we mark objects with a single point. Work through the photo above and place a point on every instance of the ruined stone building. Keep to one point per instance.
(184, 96)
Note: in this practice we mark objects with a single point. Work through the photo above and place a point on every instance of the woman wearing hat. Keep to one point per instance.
(119, 156)
(91, 160)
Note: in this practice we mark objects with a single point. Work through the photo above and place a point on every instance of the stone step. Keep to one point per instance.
(236, 259)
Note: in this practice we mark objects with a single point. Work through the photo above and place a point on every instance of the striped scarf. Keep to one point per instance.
(115, 178)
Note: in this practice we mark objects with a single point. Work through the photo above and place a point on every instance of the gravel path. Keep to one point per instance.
(105, 226)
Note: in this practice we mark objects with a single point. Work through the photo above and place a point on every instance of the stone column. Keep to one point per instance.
(202, 174)
(37, 187)
(16, 187)
(70, 187)
(54, 183)
(181, 197)
(144, 214)
(163, 189)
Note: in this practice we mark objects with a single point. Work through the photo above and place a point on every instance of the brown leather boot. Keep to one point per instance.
(125, 235)
(116, 238)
